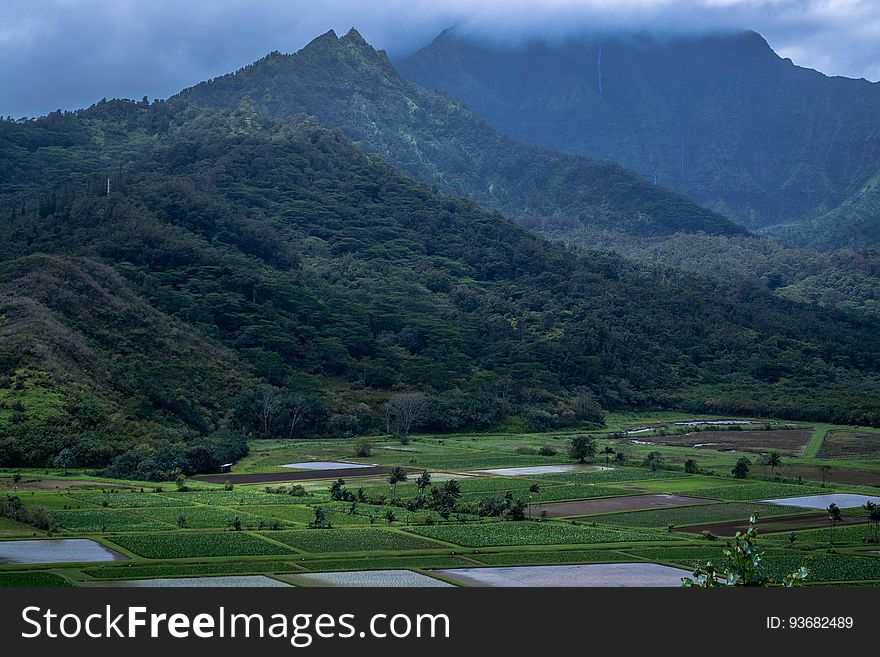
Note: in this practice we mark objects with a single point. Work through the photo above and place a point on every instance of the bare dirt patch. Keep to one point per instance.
(838, 474)
(849, 444)
(772, 525)
(257, 477)
(613, 504)
(784, 441)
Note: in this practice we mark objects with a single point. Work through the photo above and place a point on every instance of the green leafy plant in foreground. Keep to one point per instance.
(745, 566)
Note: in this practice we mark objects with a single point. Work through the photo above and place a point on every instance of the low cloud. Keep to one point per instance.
(70, 53)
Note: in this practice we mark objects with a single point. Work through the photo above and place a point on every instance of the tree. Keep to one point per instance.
(741, 469)
(833, 518)
(771, 460)
(338, 491)
(423, 481)
(180, 482)
(824, 470)
(296, 406)
(390, 516)
(620, 457)
(654, 461)
(452, 488)
(608, 451)
(396, 475)
(586, 408)
(873, 511)
(388, 416)
(181, 521)
(691, 467)
(65, 459)
(744, 566)
(517, 510)
(362, 447)
(236, 524)
(321, 520)
(267, 403)
(408, 409)
(581, 448)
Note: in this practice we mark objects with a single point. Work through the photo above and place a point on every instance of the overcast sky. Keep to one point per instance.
(70, 53)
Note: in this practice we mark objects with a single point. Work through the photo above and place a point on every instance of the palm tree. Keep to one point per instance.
(608, 451)
(875, 520)
(396, 475)
(452, 488)
(833, 517)
(771, 460)
(423, 481)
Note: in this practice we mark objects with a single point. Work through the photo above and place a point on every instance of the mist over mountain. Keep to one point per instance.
(720, 118)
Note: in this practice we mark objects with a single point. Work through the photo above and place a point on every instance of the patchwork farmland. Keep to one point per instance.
(651, 501)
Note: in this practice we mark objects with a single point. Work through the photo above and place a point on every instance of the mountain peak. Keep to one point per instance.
(353, 43)
(354, 37)
(328, 38)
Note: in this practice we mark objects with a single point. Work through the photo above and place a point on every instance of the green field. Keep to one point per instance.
(353, 540)
(100, 521)
(188, 544)
(203, 517)
(531, 533)
(127, 499)
(757, 491)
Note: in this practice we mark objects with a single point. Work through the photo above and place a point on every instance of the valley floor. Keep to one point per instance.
(646, 519)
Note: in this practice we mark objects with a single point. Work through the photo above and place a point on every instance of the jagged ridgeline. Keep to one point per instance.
(434, 138)
(235, 250)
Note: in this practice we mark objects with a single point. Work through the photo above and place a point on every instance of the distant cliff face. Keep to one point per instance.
(722, 119)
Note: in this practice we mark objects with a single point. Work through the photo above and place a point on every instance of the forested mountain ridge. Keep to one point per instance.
(720, 118)
(434, 138)
(237, 251)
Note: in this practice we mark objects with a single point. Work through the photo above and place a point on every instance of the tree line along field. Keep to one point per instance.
(194, 528)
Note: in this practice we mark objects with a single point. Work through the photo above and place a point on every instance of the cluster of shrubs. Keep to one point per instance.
(295, 491)
(443, 500)
(187, 457)
(13, 508)
(544, 450)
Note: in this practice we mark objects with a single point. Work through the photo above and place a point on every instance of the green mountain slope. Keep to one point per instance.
(88, 364)
(855, 224)
(435, 139)
(238, 251)
(720, 118)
